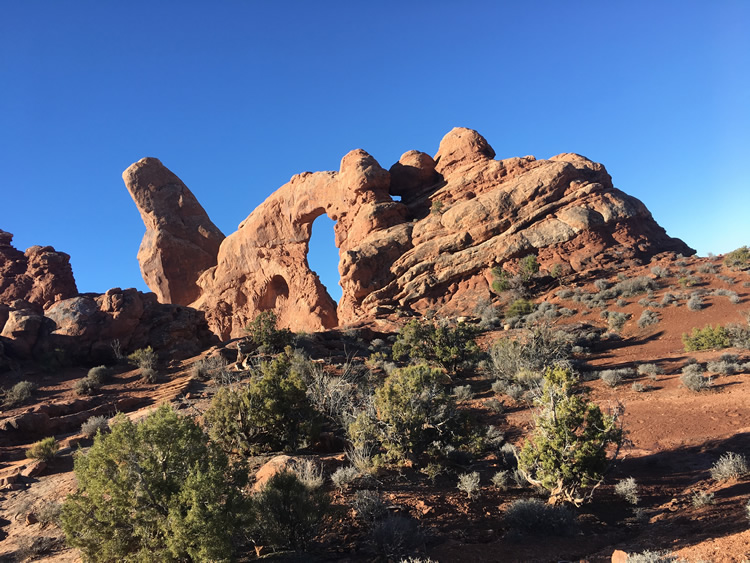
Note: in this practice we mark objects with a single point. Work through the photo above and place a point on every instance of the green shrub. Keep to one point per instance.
(287, 513)
(412, 411)
(154, 491)
(529, 267)
(567, 452)
(144, 358)
(738, 259)
(452, 348)
(519, 308)
(437, 207)
(500, 281)
(265, 335)
(270, 413)
(98, 374)
(706, 338)
(19, 393)
(85, 386)
(43, 450)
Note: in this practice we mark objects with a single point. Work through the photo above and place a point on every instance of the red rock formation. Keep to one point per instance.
(180, 242)
(460, 214)
(41, 275)
(264, 264)
(86, 327)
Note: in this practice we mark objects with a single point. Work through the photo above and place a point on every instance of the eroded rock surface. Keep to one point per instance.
(180, 242)
(87, 327)
(460, 213)
(41, 275)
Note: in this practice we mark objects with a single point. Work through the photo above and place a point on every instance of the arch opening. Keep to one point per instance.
(323, 256)
(275, 293)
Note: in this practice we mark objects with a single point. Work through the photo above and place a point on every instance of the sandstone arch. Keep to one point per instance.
(397, 256)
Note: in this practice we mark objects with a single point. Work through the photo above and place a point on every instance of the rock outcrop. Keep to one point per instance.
(40, 276)
(459, 214)
(180, 242)
(43, 317)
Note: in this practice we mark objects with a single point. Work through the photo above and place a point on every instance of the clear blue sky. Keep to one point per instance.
(236, 97)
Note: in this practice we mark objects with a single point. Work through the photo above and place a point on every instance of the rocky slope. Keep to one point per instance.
(459, 214)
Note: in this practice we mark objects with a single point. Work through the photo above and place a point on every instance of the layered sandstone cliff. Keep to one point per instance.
(459, 214)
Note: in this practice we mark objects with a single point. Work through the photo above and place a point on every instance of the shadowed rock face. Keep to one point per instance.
(180, 242)
(460, 214)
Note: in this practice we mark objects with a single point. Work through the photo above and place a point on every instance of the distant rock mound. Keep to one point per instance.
(460, 214)
(42, 316)
(40, 276)
(180, 242)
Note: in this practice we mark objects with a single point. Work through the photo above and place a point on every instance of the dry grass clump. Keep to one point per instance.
(93, 425)
(534, 517)
(647, 318)
(628, 489)
(729, 466)
(692, 378)
(469, 483)
(652, 370)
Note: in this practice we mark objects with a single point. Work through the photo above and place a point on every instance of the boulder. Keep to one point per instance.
(273, 466)
(34, 469)
(22, 331)
(180, 242)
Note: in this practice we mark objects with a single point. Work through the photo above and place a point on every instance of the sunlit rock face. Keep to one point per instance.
(41, 276)
(180, 242)
(460, 213)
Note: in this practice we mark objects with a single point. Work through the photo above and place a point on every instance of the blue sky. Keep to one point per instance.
(236, 97)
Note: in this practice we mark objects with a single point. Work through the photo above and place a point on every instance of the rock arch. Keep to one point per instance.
(394, 256)
(273, 241)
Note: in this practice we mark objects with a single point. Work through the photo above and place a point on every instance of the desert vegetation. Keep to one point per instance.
(510, 419)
